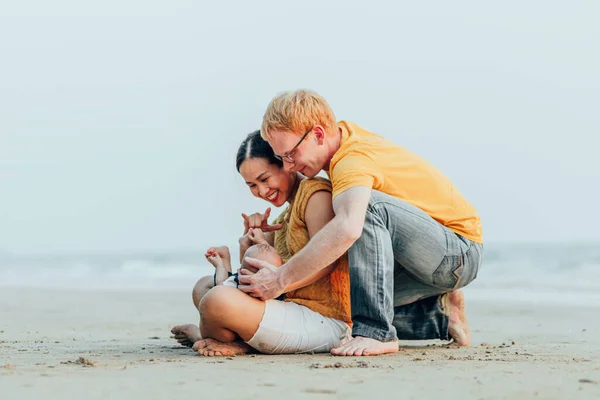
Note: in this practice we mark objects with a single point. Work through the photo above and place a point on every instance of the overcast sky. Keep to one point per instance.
(120, 120)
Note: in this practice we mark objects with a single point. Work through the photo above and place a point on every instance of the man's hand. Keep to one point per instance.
(258, 220)
(264, 284)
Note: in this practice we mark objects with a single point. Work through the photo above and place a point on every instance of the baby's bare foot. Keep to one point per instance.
(364, 346)
(214, 348)
(186, 335)
(219, 256)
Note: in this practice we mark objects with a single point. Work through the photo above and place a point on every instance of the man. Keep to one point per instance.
(412, 238)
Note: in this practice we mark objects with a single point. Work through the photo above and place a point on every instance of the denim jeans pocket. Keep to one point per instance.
(449, 273)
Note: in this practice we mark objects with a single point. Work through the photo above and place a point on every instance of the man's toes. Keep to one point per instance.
(358, 352)
(372, 352)
(376, 351)
(348, 351)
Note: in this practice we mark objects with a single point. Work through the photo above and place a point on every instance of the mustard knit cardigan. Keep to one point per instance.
(330, 295)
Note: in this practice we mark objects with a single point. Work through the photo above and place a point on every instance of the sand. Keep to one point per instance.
(105, 345)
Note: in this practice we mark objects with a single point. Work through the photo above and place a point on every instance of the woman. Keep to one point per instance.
(315, 315)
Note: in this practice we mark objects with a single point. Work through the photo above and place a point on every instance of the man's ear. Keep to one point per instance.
(320, 134)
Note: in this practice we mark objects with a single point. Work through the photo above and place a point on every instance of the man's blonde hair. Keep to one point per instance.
(297, 112)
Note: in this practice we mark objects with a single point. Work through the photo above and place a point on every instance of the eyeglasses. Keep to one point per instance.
(288, 156)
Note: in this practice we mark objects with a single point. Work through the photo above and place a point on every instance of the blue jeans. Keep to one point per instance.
(401, 264)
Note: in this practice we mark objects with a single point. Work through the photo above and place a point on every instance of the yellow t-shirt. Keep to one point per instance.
(367, 159)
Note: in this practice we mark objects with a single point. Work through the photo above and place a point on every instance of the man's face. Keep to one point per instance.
(301, 155)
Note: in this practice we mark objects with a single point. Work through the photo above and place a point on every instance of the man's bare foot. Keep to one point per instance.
(458, 326)
(214, 348)
(186, 335)
(364, 346)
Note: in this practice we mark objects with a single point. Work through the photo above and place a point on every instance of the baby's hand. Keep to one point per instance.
(257, 236)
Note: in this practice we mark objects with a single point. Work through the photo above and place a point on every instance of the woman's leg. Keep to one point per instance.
(202, 287)
(226, 313)
(188, 334)
(273, 327)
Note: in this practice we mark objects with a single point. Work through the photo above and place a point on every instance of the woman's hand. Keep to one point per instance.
(258, 220)
(245, 241)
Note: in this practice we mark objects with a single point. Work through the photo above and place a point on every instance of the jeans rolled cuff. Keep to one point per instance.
(374, 333)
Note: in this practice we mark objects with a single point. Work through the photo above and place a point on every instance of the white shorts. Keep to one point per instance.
(289, 328)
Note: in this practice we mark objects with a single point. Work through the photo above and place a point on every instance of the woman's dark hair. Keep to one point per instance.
(254, 146)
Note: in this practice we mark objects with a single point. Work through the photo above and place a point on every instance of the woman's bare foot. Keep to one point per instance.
(458, 326)
(214, 348)
(364, 346)
(186, 335)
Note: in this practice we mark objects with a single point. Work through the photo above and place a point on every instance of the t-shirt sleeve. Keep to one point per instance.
(354, 170)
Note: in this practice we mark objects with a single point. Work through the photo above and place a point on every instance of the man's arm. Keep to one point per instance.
(329, 244)
(318, 213)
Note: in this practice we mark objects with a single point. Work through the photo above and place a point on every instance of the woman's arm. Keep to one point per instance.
(319, 211)
(245, 242)
(270, 238)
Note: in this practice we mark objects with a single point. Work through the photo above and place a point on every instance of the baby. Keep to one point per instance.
(219, 257)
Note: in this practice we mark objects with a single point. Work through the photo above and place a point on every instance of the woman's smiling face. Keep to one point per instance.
(267, 181)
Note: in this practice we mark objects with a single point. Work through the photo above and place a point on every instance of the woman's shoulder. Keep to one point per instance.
(311, 185)
(308, 187)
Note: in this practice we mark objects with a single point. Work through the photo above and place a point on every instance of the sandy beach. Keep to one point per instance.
(117, 345)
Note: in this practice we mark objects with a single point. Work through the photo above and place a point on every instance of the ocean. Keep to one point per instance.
(532, 273)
